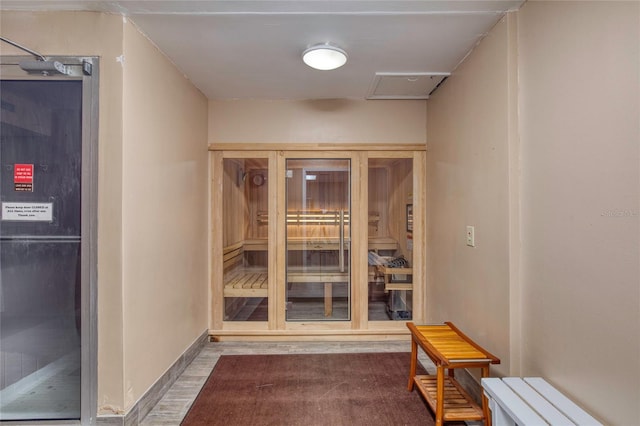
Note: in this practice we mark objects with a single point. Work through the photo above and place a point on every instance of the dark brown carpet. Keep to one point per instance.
(314, 389)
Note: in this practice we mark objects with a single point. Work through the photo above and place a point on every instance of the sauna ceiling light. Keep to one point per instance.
(324, 57)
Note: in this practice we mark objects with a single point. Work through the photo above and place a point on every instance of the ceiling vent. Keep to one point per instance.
(388, 85)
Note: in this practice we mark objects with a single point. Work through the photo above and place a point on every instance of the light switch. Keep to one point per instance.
(471, 239)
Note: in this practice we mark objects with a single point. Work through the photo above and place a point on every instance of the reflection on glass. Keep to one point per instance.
(390, 239)
(318, 239)
(40, 329)
(245, 231)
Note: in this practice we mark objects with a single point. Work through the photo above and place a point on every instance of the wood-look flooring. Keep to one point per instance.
(173, 406)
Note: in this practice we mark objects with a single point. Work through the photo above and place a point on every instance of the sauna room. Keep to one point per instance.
(296, 250)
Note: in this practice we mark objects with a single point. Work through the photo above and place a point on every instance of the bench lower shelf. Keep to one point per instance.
(458, 405)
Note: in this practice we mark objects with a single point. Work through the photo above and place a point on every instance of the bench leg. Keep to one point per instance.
(328, 302)
(485, 402)
(439, 395)
(414, 362)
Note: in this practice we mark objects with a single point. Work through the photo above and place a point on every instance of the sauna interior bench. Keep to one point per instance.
(449, 349)
(243, 281)
(388, 272)
(252, 281)
(375, 244)
(240, 280)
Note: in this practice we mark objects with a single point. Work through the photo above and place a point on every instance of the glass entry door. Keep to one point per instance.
(318, 261)
(47, 246)
(40, 238)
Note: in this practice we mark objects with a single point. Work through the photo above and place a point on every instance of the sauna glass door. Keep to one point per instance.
(318, 239)
(391, 239)
(245, 231)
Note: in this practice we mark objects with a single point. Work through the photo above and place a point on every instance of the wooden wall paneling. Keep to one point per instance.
(378, 182)
(393, 208)
(400, 194)
(322, 194)
(293, 185)
(233, 202)
(258, 196)
(217, 301)
(234, 216)
(246, 203)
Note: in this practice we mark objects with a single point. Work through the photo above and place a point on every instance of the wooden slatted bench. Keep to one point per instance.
(531, 402)
(244, 281)
(449, 349)
(327, 277)
(388, 272)
(241, 280)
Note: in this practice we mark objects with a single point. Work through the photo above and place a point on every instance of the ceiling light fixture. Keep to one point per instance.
(324, 57)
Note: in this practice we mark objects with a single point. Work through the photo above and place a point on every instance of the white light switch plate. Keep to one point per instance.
(471, 239)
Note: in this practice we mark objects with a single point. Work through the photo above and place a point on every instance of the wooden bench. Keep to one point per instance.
(449, 349)
(375, 244)
(246, 281)
(241, 280)
(388, 272)
(325, 277)
(531, 402)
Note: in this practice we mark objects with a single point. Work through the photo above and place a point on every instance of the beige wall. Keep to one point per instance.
(319, 121)
(93, 34)
(580, 130)
(164, 214)
(549, 175)
(152, 253)
(571, 314)
(468, 150)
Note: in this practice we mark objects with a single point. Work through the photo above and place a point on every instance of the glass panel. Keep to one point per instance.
(245, 233)
(40, 284)
(318, 239)
(390, 238)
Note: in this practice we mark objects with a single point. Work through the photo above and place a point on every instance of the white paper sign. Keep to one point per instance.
(30, 212)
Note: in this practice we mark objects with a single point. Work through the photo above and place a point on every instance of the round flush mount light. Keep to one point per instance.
(324, 57)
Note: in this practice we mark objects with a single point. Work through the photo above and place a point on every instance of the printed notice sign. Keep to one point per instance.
(23, 177)
(30, 212)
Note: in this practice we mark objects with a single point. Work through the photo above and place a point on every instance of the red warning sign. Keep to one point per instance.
(23, 177)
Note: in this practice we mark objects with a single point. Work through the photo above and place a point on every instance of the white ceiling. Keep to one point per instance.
(242, 49)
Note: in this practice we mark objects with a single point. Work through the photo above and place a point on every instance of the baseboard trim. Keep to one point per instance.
(470, 384)
(151, 397)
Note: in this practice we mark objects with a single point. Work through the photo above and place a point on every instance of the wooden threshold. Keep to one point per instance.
(310, 335)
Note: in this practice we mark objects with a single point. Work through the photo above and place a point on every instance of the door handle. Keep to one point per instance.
(341, 259)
